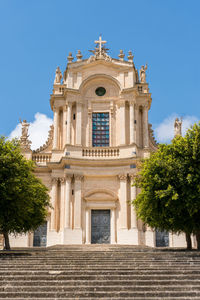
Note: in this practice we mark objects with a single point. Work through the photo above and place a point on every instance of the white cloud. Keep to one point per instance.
(164, 132)
(38, 130)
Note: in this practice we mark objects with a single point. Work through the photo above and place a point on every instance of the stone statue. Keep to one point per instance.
(177, 127)
(25, 127)
(143, 74)
(24, 141)
(58, 76)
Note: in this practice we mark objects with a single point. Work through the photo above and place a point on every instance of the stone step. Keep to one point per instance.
(92, 283)
(119, 298)
(99, 273)
(146, 277)
(98, 295)
(103, 267)
(97, 289)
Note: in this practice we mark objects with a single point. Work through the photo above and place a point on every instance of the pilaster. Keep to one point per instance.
(122, 123)
(55, 132)
(77, 202)
(64, 125)
(133, 197)
(69, 113)
(123, 201)
(132, 122)
(113, 226)
(62, 203)
(68, 178)
(88, 226)
(78, 123)
(54, 191)
(145, 126)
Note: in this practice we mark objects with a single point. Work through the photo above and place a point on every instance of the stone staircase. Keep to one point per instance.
(99, 272)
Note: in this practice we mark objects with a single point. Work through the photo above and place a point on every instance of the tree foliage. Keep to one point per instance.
(23, 198)
(170, 186)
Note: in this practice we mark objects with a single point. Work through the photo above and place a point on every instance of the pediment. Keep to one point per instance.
(101, 195)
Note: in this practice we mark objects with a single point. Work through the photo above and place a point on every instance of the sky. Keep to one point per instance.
(36, 36)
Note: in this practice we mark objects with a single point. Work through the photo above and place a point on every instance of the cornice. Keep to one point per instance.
(120, 162)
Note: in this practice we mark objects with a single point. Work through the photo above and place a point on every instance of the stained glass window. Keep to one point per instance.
(100, 129)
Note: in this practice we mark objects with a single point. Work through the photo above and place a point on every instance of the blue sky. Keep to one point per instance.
(37, 35)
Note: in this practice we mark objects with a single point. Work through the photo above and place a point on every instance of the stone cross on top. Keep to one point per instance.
(100, 42)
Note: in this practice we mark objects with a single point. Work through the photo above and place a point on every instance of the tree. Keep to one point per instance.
(24, 200)
(170, 187)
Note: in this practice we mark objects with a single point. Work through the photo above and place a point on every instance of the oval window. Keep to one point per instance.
(100, 91)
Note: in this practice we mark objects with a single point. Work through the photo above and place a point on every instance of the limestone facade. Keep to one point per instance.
(82, 177)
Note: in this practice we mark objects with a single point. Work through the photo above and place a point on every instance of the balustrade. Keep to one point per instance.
(41, 158)
(100, 152)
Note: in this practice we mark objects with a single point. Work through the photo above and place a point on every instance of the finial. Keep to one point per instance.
(121, 55)
(130, 56)
(100, 43)
(79, 55)
(70, 57)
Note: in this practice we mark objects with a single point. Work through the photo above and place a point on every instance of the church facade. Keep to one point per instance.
(99, 134)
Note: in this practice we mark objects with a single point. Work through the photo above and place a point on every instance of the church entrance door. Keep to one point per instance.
(100, 230)
(40, 236)
(162, 238)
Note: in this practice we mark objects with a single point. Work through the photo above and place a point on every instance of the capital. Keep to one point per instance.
(146, 105)
(78, 177)
(62, 179)
(132, 177)
(68, 176)
(54, 180)
(122, 176)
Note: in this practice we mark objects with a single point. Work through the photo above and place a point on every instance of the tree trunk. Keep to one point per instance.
(188, 240)
(6, 241)
(198, 240)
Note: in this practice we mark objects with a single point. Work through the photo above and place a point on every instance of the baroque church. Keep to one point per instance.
(99, 134)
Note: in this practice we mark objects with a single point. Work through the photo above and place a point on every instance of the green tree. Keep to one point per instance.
(170, 187)
(24, 200)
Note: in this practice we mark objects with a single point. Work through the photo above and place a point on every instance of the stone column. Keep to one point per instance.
(133, 197)
(113, 228)
(67, 200)
(55, 132)
(132, 123)
(88, 226)
(137, 127)
(78, 123)
(62, 203)
(77, 202)
(123, 202)
(64, 125)
(69, 112)
(145, 126)
(122, 124)
(54, 191)
(89, 129)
